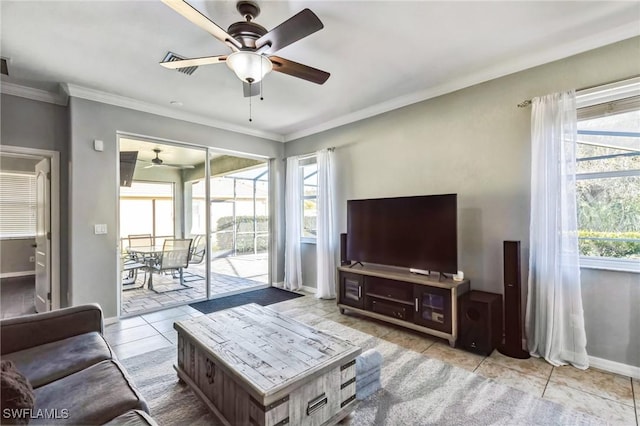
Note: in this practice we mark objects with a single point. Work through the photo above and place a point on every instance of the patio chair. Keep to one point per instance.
(140, 240)
(174, 257)
(196, 257)
(130, 268)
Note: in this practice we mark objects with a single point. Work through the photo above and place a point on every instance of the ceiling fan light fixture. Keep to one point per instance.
(249, 66)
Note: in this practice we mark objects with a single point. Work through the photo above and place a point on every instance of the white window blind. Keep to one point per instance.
(17, 205)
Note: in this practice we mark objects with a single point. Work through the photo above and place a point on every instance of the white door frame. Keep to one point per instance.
(54, 157)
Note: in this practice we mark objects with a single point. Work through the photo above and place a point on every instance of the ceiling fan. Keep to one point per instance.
(252, 45)
(156, 162)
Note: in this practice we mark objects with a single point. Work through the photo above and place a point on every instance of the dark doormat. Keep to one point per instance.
(264, 297)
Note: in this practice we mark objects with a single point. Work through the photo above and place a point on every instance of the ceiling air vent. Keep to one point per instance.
(173, 57)
(4, 66)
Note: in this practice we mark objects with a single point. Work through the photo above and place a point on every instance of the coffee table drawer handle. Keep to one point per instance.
(316, 404)
(347, 383)
(211, 371)
(347, 365)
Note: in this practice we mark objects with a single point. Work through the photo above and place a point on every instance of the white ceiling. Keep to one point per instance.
(381, 54)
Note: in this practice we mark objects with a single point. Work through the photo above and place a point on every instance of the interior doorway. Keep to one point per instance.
(29, 231)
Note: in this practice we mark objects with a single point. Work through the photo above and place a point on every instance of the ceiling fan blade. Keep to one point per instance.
(293, 29)
(179, 166)
(195, 62)
(250, 89)
(193, 15)
(295, 69)
(171, 166)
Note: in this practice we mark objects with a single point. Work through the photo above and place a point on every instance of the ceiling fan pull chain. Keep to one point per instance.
(250, 101)
(261, 97)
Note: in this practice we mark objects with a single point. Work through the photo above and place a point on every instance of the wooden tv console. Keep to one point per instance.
(421, 302)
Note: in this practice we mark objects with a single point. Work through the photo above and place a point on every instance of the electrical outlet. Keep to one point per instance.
(32, 259)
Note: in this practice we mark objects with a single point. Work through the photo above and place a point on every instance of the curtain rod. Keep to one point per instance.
(305, 156)
(527, 102)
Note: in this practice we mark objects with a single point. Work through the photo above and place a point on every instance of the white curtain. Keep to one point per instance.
(326, 236)
(293, 220)
(554, 319)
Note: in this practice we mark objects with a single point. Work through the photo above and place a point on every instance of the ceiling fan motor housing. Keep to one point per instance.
(157, 160)
(247, 32)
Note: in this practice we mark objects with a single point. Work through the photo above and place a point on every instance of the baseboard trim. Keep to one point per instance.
(304, 288)
(607, 365)
(614, 367)
(17, 274)
(111, 320)
(308, 289)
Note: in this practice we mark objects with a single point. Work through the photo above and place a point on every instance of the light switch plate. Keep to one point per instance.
(100, 228)
(98, 145)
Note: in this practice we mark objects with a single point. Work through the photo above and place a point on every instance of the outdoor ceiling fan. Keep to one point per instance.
(252, 45)
(157, 162)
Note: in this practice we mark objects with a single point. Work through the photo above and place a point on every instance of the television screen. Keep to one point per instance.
(414, 232)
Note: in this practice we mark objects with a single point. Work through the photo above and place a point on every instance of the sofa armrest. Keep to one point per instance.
(34, 330)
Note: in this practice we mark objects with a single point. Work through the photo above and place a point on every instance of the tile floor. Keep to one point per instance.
(614, 398)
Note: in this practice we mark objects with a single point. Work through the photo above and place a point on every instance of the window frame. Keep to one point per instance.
(305, 162)
(593, 103)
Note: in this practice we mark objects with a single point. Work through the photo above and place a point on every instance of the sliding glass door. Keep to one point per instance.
(159, 263)
(239, 217)
(218, 203)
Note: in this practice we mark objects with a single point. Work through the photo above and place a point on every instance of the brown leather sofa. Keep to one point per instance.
(73, 371)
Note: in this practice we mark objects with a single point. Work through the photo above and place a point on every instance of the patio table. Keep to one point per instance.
(150, 255)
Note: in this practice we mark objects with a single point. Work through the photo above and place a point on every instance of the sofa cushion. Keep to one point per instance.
(133, 418)
(45, 363)
(92, 396)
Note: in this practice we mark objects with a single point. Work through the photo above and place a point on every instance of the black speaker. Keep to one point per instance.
(479, 321)
(343, 250)
(512, 302)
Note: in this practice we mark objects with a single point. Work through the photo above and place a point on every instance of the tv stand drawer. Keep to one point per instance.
(391, 309)
(389, 288)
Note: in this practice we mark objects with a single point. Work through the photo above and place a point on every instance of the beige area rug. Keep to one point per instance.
(417, 390)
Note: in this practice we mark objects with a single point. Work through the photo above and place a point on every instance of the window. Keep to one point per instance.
(309, 169)
(608, 179)
(147, 208)
(17, 205)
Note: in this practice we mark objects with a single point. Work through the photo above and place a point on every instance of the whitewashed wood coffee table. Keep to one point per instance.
(254, 366)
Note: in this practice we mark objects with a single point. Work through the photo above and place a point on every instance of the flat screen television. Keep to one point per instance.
(415, 232)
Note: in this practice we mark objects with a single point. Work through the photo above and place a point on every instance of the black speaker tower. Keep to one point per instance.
(512, 346)
(343, 250)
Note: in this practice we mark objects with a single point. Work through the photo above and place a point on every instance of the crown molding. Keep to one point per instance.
(125, 102)
(526, 61)
(13, 89)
